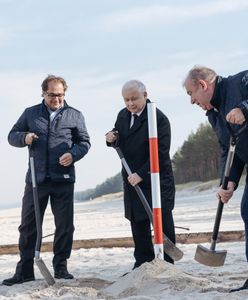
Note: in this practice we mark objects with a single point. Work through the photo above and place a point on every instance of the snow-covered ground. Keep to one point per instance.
(98, 271)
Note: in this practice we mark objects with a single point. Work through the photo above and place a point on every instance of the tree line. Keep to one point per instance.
(110, 185)
(197, 160)
(199, 157)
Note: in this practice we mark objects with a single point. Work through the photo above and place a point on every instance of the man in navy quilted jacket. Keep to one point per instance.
(56, 136)
(225, 99)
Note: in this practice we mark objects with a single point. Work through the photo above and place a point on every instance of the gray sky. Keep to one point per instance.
(98, 46)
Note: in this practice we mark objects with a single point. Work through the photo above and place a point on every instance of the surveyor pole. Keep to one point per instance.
(155, 181)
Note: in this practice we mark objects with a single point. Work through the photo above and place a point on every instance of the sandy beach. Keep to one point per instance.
(98, 271)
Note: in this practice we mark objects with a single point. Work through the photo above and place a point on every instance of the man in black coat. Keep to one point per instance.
(57, 137)
(130, 133)
(225, 99)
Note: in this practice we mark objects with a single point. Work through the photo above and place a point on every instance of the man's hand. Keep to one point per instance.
(66, 159)
(30, 137)
(225, 195)
(134, 179)
(111, 136)
(235, 116)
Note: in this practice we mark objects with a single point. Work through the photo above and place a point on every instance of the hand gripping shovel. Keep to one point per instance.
(169, 247)
(211, 257)
(38, 260)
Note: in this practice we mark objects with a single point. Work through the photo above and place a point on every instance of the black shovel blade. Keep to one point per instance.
(210, 258)
(44, 271)
(171, 249)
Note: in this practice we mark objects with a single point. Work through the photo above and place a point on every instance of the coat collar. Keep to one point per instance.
(216, 100)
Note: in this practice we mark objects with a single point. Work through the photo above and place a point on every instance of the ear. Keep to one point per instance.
(203, 84)
(145, 95)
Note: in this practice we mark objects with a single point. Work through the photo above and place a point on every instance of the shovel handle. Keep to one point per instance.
(224, 186)
(36, 207)
(217, 224)
(136, 187)
(219, 214)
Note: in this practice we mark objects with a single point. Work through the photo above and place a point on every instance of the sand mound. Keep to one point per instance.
(83, 288)
(154, 278)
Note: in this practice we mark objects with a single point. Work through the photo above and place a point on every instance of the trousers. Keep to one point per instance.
(142, 237)
(244, 215)
(61, 199)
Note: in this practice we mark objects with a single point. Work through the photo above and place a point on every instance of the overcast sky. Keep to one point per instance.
(99, 45)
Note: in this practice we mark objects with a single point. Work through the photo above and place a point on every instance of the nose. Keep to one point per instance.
(130, 103)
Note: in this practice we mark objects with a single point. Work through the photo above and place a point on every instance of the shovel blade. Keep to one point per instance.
(210, 258)
(172, 250)
(44, 271)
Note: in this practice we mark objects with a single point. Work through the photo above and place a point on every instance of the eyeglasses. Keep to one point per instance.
(52, 95)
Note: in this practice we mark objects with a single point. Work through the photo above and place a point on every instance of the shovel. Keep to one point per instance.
(211, 257)
(38, 260)
(169, 247)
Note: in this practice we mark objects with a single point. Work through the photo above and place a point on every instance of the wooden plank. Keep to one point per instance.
(182, 238)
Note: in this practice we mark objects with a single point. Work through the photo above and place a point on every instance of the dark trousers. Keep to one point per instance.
(143, 246)
(244, 214)
(61, 199)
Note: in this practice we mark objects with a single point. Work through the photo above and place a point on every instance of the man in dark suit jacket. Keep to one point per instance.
(132, 138)
(225, 98)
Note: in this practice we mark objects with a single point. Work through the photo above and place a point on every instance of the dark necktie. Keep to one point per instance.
(135, 117)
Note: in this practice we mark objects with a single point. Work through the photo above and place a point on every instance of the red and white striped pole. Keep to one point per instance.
(155, 181)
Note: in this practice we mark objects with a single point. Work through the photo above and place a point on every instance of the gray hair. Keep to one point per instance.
(200, 73)
(134, 84)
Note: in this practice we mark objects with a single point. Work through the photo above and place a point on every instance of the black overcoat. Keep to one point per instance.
(134, 143)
